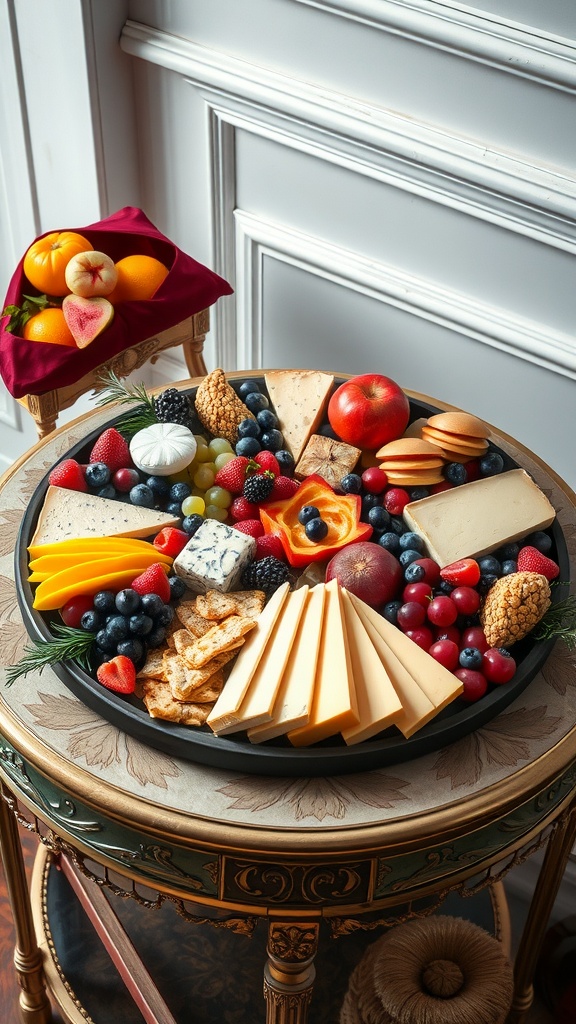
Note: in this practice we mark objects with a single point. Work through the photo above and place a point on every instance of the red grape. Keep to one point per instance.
(466, 599)
(442, 611)
(474, 637)
(419, 592)
(374, 480)
(74, 609)
(475, 684)
(498, 666)
(410, 615)
(421, 636)
(446, 653)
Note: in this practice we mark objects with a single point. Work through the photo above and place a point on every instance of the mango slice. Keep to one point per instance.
(48, 565)
(80, 545)
(90, 577)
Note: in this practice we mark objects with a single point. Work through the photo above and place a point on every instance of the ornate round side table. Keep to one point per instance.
(304, 856)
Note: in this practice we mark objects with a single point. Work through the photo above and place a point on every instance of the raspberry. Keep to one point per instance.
(118, 674)
(112, 449)
(153, 581)
(252, 527)
(269, 544)
(395, 500)
(68, 474)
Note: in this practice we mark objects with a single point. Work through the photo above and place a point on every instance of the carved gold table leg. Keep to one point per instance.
(289, 973)
(193, 347)
(549, 879)
(34, 1002)
(44, 411)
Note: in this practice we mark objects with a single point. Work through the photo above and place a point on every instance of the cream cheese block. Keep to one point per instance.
(299, 398)
(68, 514)
(476, 518)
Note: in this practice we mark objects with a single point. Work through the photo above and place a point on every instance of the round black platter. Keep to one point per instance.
(277, 758)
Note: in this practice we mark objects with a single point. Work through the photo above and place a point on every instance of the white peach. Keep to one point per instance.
(91, 273)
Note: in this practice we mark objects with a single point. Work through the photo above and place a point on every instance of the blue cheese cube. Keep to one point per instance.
(214, 558)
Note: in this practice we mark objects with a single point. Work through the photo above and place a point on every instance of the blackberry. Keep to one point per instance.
(259, 487)
(267, 574)
(172, 406)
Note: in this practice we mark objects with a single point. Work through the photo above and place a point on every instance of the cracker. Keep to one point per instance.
(160, 703)
(153, 667)
(196, 677)
(206, 692)
(218, 639)
(249, 602)
(216, 605)
(188, 616)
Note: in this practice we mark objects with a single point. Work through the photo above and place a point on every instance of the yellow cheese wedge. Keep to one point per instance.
(294, 698)
(378, 703)
(258, 703)
(299, 398)
(226, 708)
(69, 514)
(439, 685)
(334, 705)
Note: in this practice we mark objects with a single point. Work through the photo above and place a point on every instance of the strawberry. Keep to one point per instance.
(252, 527)
(241, 508)
(68, 474)
(232, 476)
(118, 674)
(112, 449)
(284, 487)
(153, 581)
(170, 541)
(463, 573)
(532, 560)
(267, 460)
(269, 544)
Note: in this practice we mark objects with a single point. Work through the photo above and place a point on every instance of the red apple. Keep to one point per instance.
(368, 411)
(368, 571)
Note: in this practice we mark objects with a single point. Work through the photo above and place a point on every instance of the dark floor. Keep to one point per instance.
(9, 988)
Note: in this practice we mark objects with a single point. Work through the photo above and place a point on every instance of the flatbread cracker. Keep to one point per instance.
(195, 677)
(216, 605)
(160, 703)
(189, 618)
(153, 667)
(218, 639)
(203, 693)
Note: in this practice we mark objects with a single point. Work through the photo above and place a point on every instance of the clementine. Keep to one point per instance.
(139, 277)
(46, 259)
(50, 326)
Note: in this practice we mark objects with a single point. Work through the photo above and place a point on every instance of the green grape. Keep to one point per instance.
(213, 512)
(193, 506)
(223, 459)
(200, 439)
(219, 445)
(218, 496)
(204, 476)
(203, 454)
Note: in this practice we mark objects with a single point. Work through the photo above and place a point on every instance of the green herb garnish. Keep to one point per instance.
(68, 644)
(559, 621)
(20, 315)
(112, 389)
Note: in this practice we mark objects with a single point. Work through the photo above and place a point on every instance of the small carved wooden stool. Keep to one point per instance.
(191, 334)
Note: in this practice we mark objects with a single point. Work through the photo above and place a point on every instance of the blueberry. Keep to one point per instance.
(177, 588)
(416, 493)
(118, 627)
(369, 501)
(249, 428)
(488, 563)
(179, 492)
(408, 555)
(248, 446)
(248, 387)
(414, 573)
(157, 637)
(412, 541)
(390, 541)
(470, 657)
(443, 587)
(487, 580)
(390, 611)
(285, 461)
(165, 616)
(507, 552)
(327, 431)
(127, 601)
(509, 566)
(173, 508)
(151, 604)
(159, 486)
(455, 473)
(255, 401)
(97, 474)
(143, 496)
(316, 529)
(272, 440)
(491, 464)
(378, 517)
(140, 625)
(266, 419)
(398, 525)
(91, 621)
(105, 642)
(539, 540)
(306, 513)
(104, 601)
(133, 649)
(192, 523)
(109, 491)
(351, 483)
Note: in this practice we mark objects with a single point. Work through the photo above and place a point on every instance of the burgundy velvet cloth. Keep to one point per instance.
(34, 367)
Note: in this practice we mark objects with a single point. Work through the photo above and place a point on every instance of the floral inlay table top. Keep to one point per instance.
(541, 716)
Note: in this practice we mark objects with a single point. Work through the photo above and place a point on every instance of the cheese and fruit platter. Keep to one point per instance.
(292, 573)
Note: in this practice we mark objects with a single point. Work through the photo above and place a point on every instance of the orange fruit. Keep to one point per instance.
(50, 326)
(45, 261)
(139, 277)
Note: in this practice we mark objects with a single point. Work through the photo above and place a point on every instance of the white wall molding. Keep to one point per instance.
(496, 42)
(535, 201)
(258, 240)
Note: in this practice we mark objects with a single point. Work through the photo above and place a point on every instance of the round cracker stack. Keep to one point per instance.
(459, 435)
(412, 462)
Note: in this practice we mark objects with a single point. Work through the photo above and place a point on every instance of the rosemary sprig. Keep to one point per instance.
(559, 621)
(113, 389)
(68, 644)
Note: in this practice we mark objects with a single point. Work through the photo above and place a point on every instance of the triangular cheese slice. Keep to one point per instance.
(67, 514)
(299, 398)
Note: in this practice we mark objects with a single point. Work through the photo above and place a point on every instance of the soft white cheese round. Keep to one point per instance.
(163, 449)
